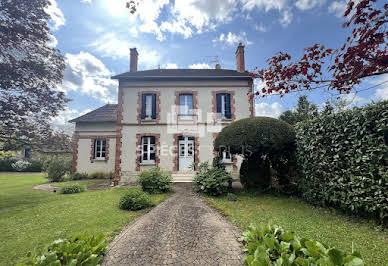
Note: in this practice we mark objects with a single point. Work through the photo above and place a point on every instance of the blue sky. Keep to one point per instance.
(95, 37)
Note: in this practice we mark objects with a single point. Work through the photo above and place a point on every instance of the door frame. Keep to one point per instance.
(176, 149)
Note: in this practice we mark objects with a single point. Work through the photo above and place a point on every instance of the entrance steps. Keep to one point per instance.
(183, 176)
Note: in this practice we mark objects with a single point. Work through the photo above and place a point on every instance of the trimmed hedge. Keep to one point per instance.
(343, 159)
(6, 165)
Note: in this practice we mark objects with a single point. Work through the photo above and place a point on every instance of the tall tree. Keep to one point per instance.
(364, 54)
(304, 110)
(30, 70)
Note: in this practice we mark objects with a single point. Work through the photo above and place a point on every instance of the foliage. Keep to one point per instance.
(6, 155)
(57, 167)
(211, 181)
(80, 249)
(34, 166)
(101, 175)
(343, 160)
(72, 189)
(271, 245)
(154, 181)
(264, 142)
(134, 200)
(304, 110)
(79, 176)
(30, 70)
(231, 197)
(364, 54)
(20, 165)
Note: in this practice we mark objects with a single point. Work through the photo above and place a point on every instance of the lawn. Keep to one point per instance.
(87, 183)
(307, 221)
(33, 218)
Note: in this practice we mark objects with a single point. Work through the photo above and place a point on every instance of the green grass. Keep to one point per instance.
(33, 218)
(307, 221)
(87, 183)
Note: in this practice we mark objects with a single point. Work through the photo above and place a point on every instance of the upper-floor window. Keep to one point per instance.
(99, 149)
(148, 110)
(223, 106)
(186, 107)
(148, 149)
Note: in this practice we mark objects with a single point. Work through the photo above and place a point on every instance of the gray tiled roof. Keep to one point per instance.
(106, 113)
(185, 74)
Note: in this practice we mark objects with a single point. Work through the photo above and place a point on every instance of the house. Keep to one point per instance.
(164, 117)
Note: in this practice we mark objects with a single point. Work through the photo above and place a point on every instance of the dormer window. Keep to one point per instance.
(148, 111)
(223, 106)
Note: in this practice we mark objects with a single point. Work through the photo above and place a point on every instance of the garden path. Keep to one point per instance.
(182, 230)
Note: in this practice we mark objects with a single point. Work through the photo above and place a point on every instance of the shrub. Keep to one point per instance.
(264, 142)
(6, 165)
(57, 167)
(99, 175)
(81, 249)
(135, 199)
(34, 165)
(343, 160)
(4, 155)
(154, 181)
(271, 245)
(72, 189)
(231, 197)
(79, 176)
(211, 181)
(20, 165)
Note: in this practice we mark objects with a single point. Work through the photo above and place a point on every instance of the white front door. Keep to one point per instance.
(186, 154)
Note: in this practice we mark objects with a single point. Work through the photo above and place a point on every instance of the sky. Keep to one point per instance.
(94, 36)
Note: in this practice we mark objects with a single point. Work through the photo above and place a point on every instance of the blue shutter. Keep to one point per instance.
(143, 106)
(228, 113)
(153, 106)
(218, 100)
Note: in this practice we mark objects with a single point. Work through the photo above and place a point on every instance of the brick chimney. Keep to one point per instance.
(240, 60)
(133, 60)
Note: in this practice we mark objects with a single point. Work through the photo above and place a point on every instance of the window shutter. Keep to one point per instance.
(228, 113)
(153, 106)
(143, 106)
(218, 102)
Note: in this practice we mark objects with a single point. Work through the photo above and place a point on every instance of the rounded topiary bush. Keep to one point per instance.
(135, 199)
(264, 142)
(72, 189)
(154, 181)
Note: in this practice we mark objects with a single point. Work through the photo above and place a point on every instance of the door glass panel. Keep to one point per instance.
(181, 149)
(190, 149)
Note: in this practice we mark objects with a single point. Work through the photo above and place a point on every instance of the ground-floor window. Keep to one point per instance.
(226, 155)
(99, 149)
(148, 149)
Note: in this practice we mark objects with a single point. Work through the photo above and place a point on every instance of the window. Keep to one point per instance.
(99, 149)
(226, 155)
(148, 150)
(27, 153)
(223, 106)
(148, 111)
(186, 106)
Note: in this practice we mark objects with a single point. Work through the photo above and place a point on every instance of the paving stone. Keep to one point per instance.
(183, 230)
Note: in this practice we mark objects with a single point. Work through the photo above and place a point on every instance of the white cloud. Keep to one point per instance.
(264, 4)
(68, 114)
(86, 1)
(308, 4)
(111, 45)
(382, 91)
(266, 109)
(53, 42)
(170, 66)
(338, 8)
(57, 17)
(261, 27)
(232, 39)
(87, 74)
(200, 66)
(286, 18)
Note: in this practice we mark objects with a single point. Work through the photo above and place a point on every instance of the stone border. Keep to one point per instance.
(138, 148)
(176, 148)
(75, 153)
(119, 136)
(232, 104)
(139, 106)
(93, 139)
(195, 110)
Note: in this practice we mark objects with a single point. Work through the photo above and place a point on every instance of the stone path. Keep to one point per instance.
(182, 230)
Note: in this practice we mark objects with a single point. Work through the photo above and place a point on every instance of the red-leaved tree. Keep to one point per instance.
(364, 54)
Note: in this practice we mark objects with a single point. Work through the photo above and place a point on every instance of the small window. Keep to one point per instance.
(27, 153)
(148, 111)
(223, 106)
(226, 155)
(148, 150)
(100, 149)
(186, 107)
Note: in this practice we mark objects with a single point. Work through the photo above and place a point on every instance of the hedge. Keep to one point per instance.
(6, 166)
(343, 160)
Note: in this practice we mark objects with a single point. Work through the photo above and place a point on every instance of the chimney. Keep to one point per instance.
(218, 66)
(133, 60)
(240, 60)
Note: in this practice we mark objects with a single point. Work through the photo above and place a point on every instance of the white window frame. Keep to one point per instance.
(227, 156)
(186, 114)
(223, 103)
(148, 107)
(101, 141)
(146, 140)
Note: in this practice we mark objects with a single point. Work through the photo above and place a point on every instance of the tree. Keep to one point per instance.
(29, 72)
(363, 55)
(304, 110)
